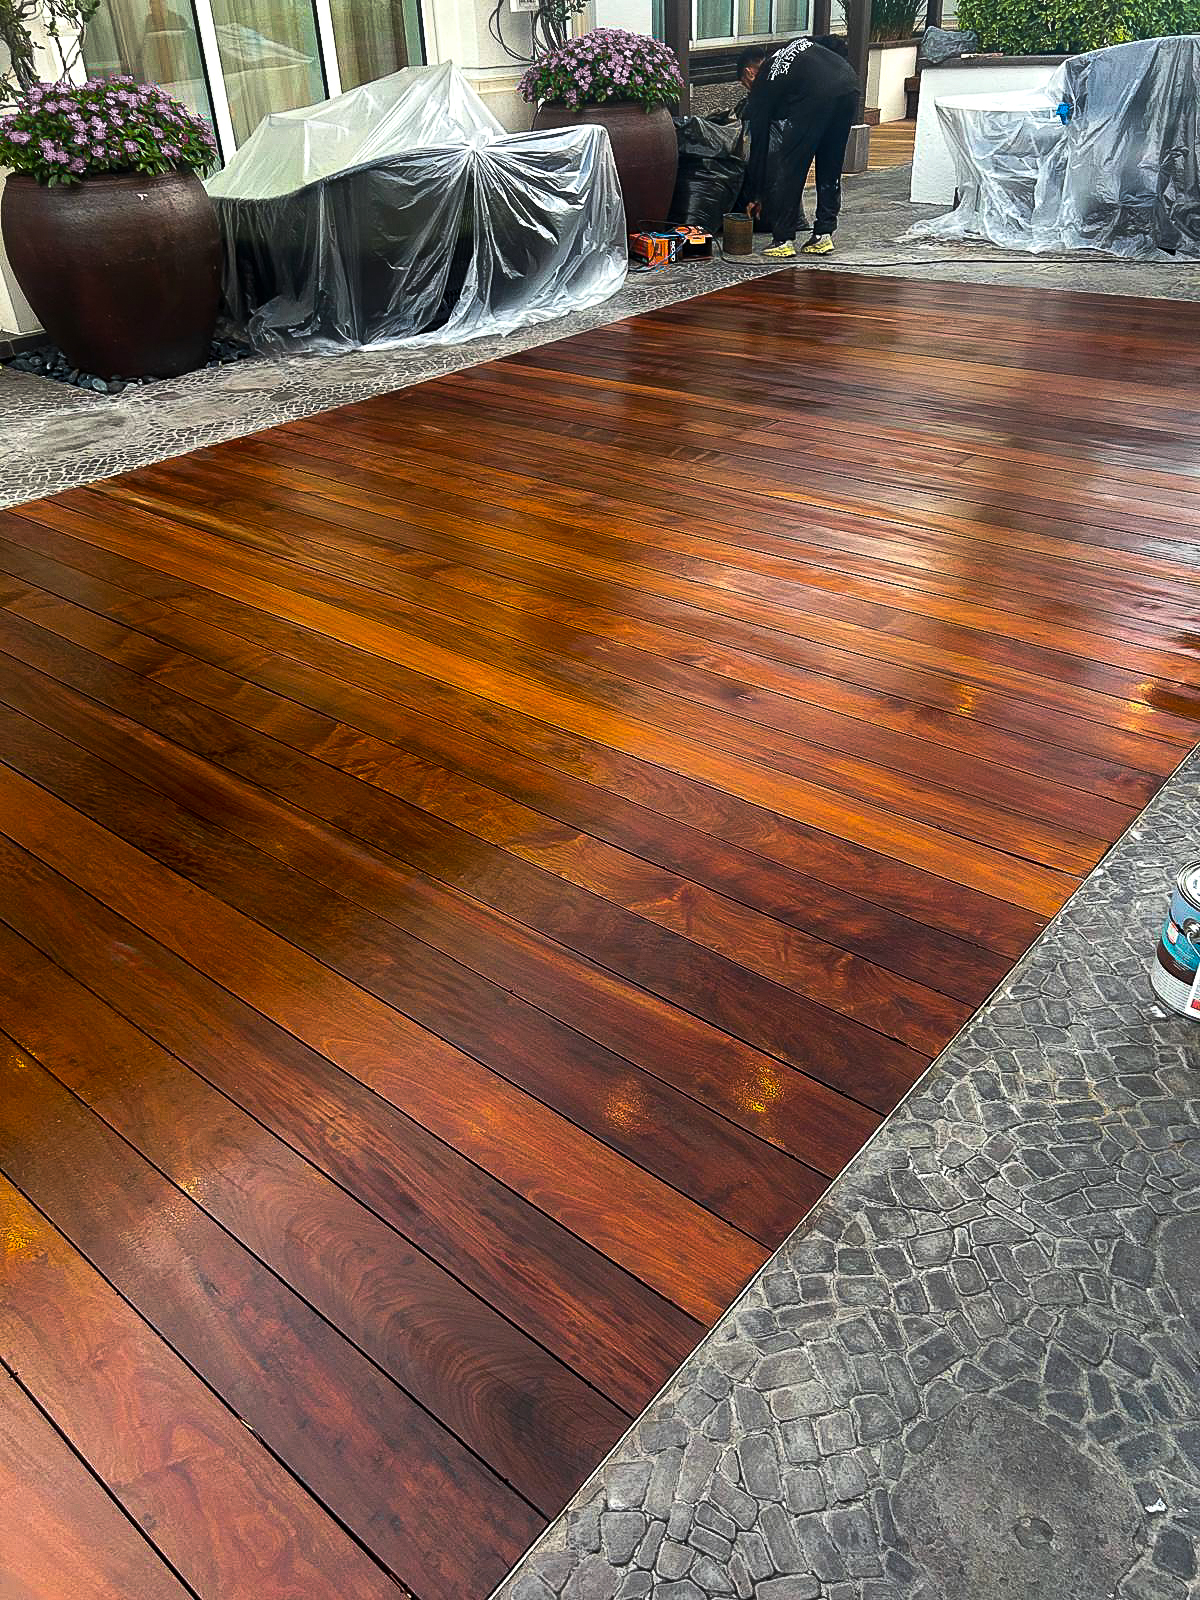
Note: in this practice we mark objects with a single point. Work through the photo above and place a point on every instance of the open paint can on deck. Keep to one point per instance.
(738, 235)
(1175, 975)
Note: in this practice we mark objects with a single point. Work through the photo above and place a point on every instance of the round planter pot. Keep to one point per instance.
(645, 148)
(124, 271)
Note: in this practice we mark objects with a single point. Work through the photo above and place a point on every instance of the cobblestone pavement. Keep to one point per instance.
(973, 1372)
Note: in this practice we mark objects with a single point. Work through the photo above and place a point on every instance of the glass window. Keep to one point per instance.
(762, 19)
(154, 41)
(375, 37)
(791, 17)
(269, 58)
(714, 19)
(754, 16)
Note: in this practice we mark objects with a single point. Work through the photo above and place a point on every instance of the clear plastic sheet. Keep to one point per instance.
(1118, 171)
(401, 212)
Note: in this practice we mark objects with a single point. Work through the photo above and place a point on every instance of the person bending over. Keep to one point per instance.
(810, 87)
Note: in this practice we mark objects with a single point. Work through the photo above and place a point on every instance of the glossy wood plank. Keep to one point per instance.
(827, 741)
(896, 609)
(835, 707)
(905, 1010)
(477, 862)
(398, 1481)
(519, 1141)
(185, 1468)
(499, 1392)
(940, 961)
(62, 1537)
(671, 1138)
(168, 548)
(990, 922)
(1044, 684)
(722, 997)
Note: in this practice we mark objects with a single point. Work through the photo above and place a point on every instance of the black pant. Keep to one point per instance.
(819, 129)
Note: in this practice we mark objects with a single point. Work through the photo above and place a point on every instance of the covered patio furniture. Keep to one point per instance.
(1106, 157)
(402, 211)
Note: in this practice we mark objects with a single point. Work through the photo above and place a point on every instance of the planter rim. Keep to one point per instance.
(603, 105)
(101, 177)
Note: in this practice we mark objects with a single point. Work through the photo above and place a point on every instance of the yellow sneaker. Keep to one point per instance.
(821, 244)
(781, 252)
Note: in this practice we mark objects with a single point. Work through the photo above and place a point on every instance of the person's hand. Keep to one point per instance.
(754, 209)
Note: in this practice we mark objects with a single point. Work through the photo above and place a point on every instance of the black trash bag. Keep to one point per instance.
(711, 172)
(939, 45)
(775, 144)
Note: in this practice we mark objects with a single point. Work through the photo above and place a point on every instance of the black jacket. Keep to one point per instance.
(790, 86)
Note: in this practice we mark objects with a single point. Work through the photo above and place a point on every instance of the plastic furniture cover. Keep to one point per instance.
(1105, 157)
(401, 212)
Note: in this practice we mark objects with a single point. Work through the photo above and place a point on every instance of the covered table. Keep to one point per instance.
(1106, 157)
(402, 211)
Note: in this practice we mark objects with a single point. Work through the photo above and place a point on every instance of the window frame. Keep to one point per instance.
(328, 63)
(771, 37)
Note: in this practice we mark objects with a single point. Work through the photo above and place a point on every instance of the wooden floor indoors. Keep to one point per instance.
(478, 863)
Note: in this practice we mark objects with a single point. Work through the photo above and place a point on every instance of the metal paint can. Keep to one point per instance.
(738, 236)
(1175, 974)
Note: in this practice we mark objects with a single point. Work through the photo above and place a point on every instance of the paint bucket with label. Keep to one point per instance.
(1175, 974)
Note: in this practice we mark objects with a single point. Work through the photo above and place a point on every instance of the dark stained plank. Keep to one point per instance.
(537, 793)
(224, 1513)
(784, 722)
(539, 1425)
(622, 1338)
(773, 780)
(612, 570)
(669, 629)
(352, 478)
(516, 1139)
(856, 872)
(477, 862)
(592, 1088)
(655, 980)
(386, 1470)
(62, 1535)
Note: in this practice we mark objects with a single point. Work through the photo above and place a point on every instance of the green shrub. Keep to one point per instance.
(1062, 27)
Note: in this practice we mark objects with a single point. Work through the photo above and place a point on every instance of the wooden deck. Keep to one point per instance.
(892, 145)
(477, 863)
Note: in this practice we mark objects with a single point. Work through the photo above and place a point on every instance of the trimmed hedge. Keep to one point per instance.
(1064, 27)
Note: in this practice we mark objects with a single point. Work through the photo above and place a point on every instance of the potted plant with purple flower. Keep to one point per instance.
(107, 226)
(626, 82)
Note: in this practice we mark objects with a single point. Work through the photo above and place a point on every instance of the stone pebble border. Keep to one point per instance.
(973, 1371)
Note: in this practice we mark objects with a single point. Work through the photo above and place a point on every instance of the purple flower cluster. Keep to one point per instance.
(65, 132)
(605, 64)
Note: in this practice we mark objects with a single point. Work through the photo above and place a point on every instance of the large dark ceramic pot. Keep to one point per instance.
(123, 271)
(645, 148)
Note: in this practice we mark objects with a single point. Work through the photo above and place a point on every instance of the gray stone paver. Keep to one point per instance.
(1016, 1411)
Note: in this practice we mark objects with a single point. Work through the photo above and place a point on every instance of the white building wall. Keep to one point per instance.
(457, 30)
(888, 70)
